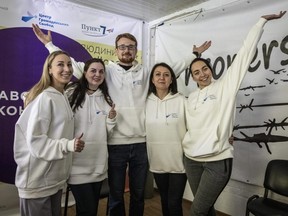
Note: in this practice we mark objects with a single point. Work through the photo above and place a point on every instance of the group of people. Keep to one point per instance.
(120, 116)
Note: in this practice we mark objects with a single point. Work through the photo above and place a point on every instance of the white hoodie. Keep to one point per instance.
(165, 129)
(211, 111)
(43, 143)
(92, 119)
(128, 90)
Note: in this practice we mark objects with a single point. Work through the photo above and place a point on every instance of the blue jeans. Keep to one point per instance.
(171, 187)
(87, 198)
(135, 157)
(207, 180)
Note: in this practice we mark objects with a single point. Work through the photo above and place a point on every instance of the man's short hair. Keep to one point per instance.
(125, 35)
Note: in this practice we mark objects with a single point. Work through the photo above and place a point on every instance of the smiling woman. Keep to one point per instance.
(165, 130)
(19, 72)
(95, 116)
(210, 114)
(44, 139)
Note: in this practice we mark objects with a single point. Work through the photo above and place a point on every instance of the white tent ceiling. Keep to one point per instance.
(146, 10)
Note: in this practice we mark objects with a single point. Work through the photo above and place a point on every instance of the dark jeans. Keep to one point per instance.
(135, 157)
(207, 180)
(87, 198)
(171, 187)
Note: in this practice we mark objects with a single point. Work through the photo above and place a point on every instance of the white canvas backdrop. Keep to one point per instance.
(227, 26)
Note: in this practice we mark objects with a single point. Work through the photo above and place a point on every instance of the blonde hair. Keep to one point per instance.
(45, 80)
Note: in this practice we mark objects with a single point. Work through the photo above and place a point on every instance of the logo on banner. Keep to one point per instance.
(43, 20)
(96, 31)
(28, 17)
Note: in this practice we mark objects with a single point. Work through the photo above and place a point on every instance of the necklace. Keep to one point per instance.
(91, 89)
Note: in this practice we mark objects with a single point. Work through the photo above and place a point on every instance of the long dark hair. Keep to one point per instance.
(173, 86)
(79, 87)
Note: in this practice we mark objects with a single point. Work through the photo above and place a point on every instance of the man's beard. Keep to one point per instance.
(127, 59)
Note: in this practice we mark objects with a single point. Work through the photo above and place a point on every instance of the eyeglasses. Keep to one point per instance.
(129, 47)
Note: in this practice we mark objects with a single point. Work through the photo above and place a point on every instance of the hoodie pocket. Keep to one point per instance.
(202, 143)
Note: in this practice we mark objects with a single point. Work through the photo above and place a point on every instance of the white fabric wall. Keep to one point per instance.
(226, 24)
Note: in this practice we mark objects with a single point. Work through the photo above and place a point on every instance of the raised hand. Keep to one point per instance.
(274, 16)
(44, 38)
(112, 112)
(202, 48)
(79, 144)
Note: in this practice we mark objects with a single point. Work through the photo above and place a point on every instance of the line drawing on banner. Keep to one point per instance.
(251, 87)
(263, 137)
(278, 71)
(250, 105)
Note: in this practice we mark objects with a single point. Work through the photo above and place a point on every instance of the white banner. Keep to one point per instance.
(262, 106)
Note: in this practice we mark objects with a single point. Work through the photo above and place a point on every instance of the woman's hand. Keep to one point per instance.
(202, 48)
(112, 112)
(79, 144)
(274, 16)
(44, 38)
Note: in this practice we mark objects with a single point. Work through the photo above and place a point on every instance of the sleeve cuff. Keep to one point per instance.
(70, 145)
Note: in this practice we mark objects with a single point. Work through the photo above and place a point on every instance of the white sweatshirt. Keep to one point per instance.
(211, 111)
(92, 120)
(128, 91)
(43, 143)
(165, 129)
